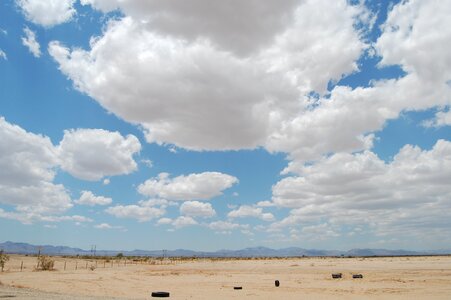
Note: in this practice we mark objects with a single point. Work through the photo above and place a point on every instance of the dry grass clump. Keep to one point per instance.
(45, 263)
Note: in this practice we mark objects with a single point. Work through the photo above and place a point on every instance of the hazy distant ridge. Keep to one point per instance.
(24, 248)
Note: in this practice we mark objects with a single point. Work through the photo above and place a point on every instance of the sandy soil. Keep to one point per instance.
(306, 278)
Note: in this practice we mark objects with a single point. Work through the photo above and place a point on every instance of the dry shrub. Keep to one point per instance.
(45, 263)
(3, 259)
(92, 267)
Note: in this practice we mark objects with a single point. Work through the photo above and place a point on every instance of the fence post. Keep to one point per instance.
(76, 265)
(21, 266)
(64, 265)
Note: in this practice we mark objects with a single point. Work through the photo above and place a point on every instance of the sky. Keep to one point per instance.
(210, 125)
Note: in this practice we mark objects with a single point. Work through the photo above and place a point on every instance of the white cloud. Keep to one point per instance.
(184, 221)
(231, 85)
(74, 218)
(88, 198)
(141, 213)
(91, 154)
(249, 211)
(442, 118)
(269, 100)
(155, 202)
(197, 209)
(30, 42)
(3, 55)
(30, 217)
(106, 181)
(265, 203)
(405, 195)
(107, 226)
(103, 226)
(225, 227)
(202, 186)
(47, 13)
(147, 162)
(164, 221)
(410, 32)
(28, 163)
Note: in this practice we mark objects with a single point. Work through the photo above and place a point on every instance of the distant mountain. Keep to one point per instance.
(24, 248)
(381, 252)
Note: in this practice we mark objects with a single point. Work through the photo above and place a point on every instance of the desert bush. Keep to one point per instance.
(92, 267)
(45, 263)
(3, 259)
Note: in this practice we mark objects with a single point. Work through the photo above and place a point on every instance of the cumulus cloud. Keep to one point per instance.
(405, 195)
(442, 118)
(28, 163)
(107, 226)
(410, 31)
(184, 221)
(47, 13)
(142, 213)
(164, 221)
(256, 69)
(265, 203)
(197, 209)
(3, 55)
(226, 227)
(30, 42)
(88, 198)
(278, 70)
(91, 154)
(223, 225)
(29, 217)
(201, 186)
(250, 211)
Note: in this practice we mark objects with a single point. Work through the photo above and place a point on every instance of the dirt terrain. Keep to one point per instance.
(303, 278)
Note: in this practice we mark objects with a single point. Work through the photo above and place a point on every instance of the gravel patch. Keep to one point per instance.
(7, 292)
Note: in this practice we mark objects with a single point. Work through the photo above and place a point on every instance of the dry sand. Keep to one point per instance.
(306, 278)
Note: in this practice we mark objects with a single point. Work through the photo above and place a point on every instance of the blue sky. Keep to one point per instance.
(188, 124)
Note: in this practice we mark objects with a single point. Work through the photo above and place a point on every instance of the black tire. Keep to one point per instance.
(237, 287)
(357, 276)
(336, 275)
(160, 294)
(277, 283)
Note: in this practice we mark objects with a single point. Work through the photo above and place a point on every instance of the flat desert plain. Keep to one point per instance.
(302, 278)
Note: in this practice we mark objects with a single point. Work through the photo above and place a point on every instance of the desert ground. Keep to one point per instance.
(301, 278)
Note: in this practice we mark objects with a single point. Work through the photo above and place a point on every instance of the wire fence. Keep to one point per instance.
(24, 264)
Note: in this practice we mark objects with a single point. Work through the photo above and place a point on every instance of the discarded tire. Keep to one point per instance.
(237, 287)
(277, 283)
(160, 294)
(336, 275)
(357, 276)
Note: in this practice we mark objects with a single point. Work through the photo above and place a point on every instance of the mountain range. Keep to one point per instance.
(24, 248)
